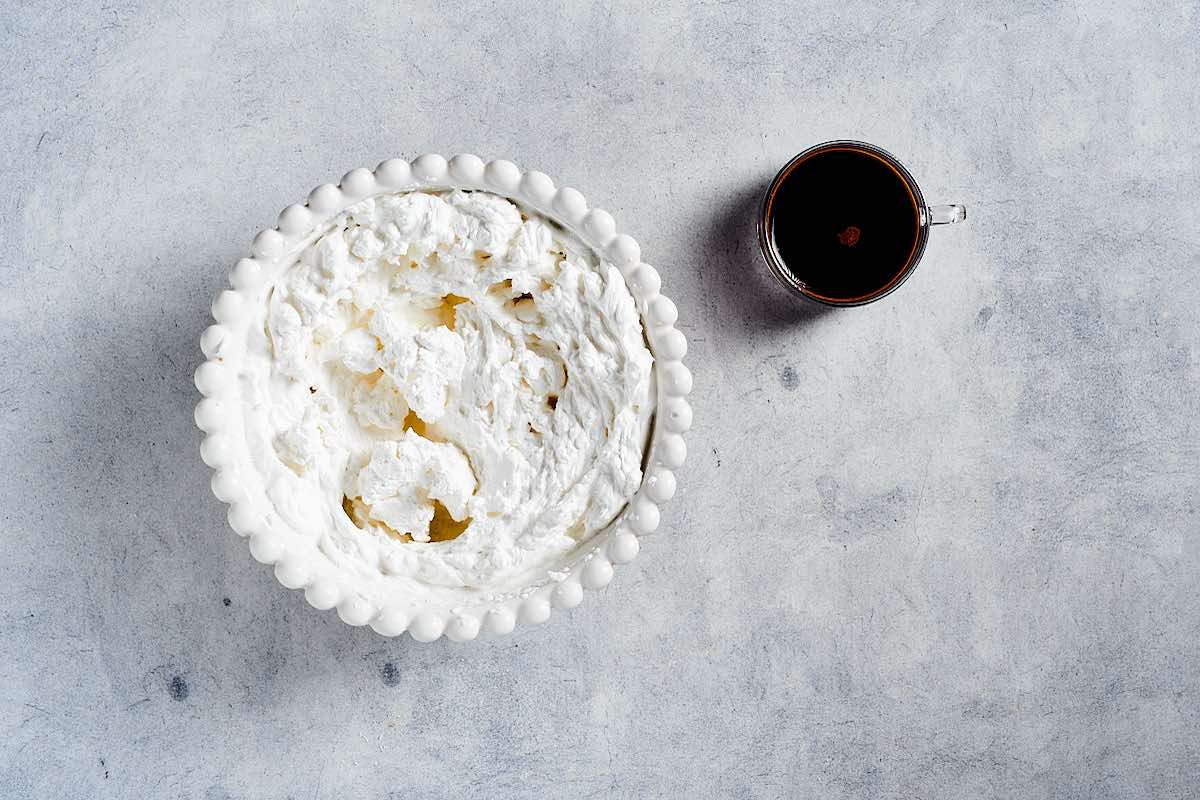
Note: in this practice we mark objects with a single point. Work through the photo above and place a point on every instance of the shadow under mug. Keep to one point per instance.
(914, 209)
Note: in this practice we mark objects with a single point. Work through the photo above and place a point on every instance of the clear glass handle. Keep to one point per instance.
(944, 215)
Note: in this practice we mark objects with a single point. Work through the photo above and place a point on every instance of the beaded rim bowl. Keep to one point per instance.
(297, 560)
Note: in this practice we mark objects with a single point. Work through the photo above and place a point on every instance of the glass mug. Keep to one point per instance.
(844, 223)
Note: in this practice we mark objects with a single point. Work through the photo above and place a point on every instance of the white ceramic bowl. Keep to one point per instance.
(298, 562)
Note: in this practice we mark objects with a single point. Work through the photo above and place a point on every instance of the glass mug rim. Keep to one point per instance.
(775, 261)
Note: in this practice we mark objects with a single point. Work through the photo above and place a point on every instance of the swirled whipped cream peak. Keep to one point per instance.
(444, 389)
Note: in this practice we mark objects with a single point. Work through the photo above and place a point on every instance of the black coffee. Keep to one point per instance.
(845, 224)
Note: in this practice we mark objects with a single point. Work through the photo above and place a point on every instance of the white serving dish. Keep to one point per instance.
(298, 562)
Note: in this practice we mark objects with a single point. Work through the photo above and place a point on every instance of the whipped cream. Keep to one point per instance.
(444, 390)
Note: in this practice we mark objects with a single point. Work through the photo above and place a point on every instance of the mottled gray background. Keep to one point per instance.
(941, 547)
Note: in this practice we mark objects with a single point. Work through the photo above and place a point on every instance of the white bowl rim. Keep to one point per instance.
(298, 563)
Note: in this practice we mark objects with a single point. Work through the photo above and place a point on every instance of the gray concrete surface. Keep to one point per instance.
(941, 547)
